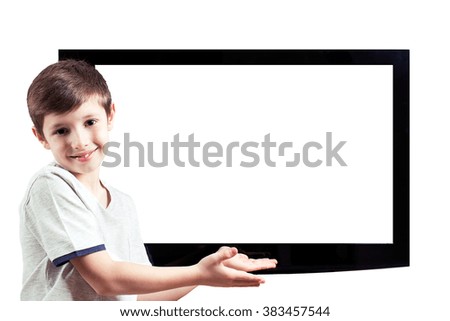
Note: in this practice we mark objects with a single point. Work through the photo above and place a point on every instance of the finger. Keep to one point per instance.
(262, 265)
(246, 284)
(246, 277)
(225, 253)
(242, 256)
(253, 265)
(250, 282)
(266, 261)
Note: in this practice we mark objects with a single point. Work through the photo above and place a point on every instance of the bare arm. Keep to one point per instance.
(168, 295)
(108, 277)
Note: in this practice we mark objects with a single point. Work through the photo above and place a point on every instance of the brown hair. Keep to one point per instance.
(63, 87)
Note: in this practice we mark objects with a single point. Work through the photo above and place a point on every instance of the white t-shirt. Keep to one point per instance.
(60, 219)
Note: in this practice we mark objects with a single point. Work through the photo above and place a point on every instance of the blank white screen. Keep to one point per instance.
(298, 104)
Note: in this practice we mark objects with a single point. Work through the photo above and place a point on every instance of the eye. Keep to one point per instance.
(61, 131)
(91, 122)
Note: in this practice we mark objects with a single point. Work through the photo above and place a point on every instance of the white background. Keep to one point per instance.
(297, 104)
(32, 32)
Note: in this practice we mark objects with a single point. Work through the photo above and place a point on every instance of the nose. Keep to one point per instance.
(79, 139)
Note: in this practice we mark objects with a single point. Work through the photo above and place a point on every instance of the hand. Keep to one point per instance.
(243, 263)
(226, 268)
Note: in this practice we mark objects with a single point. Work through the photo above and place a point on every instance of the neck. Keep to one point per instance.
(92, 182)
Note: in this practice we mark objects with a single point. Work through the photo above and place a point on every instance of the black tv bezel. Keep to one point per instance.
(295, 257)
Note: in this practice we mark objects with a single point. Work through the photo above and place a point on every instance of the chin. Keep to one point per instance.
(83, 169)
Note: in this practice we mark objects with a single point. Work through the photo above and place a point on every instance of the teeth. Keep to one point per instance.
(83, 156)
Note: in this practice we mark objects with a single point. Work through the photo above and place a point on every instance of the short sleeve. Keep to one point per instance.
(60, 221)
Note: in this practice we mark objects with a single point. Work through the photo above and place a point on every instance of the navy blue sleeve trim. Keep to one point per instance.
(66, 258)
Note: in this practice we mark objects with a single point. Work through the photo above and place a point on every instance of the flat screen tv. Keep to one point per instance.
(299, 155)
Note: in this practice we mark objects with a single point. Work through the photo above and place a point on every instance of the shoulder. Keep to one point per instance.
(52, 171)
(49, 179)
(54, 174)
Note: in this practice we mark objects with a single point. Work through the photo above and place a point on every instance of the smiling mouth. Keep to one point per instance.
(83, 156)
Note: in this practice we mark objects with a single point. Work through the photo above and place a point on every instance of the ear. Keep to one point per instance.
(40, 138)
(112, 112)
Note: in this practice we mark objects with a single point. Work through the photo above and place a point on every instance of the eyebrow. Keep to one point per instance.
(56, 126)
(91, 116)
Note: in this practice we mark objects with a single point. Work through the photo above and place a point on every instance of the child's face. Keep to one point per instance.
(76, 138)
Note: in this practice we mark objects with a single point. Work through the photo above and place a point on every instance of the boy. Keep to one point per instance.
(80, 237)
